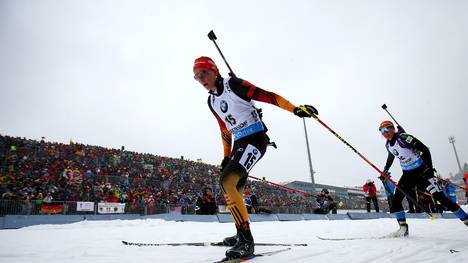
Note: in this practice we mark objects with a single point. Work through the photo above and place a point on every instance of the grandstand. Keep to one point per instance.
(47, 177)
(35, 175)
(350, 197)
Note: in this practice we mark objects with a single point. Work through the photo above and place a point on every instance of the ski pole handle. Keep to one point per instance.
(384, 107)
(212, 37)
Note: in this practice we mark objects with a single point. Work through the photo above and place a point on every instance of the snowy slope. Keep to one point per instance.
(100, 241)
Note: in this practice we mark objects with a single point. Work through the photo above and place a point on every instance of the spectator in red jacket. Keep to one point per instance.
(370, 192)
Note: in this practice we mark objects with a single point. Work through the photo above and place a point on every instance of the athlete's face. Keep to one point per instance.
(388, 132)
(207, 78)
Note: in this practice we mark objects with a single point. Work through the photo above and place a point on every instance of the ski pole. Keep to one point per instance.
(391, 116)
(282, 186)
(212, 37)
(368, 162)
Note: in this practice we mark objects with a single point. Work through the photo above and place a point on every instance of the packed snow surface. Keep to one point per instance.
(441, 240)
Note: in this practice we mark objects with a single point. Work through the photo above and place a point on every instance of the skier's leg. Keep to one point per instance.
(246, 153)
(389, 201)
(397, 207)
(405, 183)
(235, 203)
(230, 178)
(432, 186)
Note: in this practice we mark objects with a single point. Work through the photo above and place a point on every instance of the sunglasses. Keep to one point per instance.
(385, 129)
(200, 74)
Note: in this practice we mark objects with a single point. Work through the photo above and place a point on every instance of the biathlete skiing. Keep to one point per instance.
(231, 101)
(416, 163)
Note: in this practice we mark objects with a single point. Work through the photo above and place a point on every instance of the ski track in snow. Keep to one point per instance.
(100, 241)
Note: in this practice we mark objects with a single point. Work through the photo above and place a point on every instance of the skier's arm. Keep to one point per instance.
(262, 95)
(388, 164)
(225, 134)
(248, 91)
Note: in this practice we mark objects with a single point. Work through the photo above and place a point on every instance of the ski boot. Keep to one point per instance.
(231, 241)
(245, 244)
(402, 231)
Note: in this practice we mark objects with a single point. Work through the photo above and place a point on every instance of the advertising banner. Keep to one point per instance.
(111, 208)
(85, 206)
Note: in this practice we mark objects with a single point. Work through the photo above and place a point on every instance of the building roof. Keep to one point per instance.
(337, 190)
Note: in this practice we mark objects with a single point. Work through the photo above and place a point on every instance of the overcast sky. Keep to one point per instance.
(114, 73)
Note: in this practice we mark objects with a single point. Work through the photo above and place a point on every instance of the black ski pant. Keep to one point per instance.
(389, 201)
(368, 203)
(411, 195)
(425, 180)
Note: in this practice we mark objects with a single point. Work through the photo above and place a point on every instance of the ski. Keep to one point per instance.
(264, 254)
(352, 238)
(202, 244)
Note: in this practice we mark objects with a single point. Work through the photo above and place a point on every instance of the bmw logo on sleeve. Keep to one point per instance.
(223, 106)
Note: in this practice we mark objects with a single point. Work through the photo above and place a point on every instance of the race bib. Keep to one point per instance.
(433, 186)
(250, 157)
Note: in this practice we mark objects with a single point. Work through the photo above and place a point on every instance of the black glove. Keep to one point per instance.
(224, 163)
(305, 111)
(387, 173)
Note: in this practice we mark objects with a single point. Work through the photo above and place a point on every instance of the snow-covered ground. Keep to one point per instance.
(100, 241)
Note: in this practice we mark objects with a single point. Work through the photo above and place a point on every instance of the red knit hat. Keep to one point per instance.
(206, 63)
(386, 124)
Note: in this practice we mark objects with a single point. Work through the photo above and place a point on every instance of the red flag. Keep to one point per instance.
(51, 208)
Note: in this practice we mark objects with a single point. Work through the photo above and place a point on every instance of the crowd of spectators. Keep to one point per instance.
(41, 171)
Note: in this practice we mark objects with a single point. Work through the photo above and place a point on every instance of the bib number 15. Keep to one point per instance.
(229, 119)
(250, 157)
